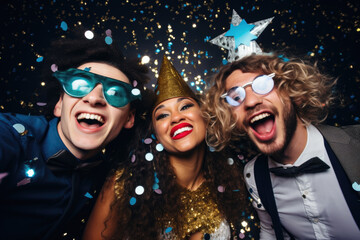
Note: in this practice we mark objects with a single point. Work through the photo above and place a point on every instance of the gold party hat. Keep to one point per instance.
(170, 84)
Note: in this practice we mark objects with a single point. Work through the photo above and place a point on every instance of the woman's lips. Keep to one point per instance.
(181, 130)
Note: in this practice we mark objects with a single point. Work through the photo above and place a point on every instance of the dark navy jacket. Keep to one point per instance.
(36, 203)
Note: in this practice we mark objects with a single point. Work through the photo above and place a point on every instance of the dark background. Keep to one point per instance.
(326, 32)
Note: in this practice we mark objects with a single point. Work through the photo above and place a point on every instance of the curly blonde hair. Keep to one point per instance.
(309, 91)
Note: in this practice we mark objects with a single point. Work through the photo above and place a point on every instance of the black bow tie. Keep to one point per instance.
(313, 165)
(64, 161)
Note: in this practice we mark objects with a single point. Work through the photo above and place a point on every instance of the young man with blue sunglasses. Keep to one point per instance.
(90, 117)
(51, 171)
(305, 182)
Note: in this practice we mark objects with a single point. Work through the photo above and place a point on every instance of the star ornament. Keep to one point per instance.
(240, 39)
(241, 33)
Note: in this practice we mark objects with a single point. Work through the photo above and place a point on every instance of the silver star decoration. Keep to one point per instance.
(238, 52)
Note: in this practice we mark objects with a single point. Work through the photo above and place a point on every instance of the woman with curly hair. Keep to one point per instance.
(300, 183)
(174, 187)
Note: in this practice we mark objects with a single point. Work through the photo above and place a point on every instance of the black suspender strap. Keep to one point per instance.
(266, 194)
(350, 195)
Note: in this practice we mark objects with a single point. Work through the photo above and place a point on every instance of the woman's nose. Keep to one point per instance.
(176, 117)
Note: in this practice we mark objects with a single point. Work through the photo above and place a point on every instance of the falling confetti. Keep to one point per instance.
(3, 175)
(64, 26)
(132, 201)
(30, 173)
(149, 157)
(322, 32)
(139, 190)
(54, 67)
(40, 59)
(221, 189)
(356, 186)
(133, 158)
(147, 140)
(88, 195)
(19, 127)
(89, 34)
(148, 30)
(135, 92)
(108, 40)
(135, 83)
(108, 33)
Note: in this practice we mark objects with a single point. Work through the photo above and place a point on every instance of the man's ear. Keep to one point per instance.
(58, 107)
(131, 119)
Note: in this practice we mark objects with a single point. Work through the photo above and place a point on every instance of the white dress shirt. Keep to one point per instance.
(310, 206)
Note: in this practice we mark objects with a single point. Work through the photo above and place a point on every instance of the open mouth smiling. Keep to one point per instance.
(262, 124)
(181, 130)
(90, 120)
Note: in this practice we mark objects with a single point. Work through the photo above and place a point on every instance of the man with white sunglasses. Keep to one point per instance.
(305, 182)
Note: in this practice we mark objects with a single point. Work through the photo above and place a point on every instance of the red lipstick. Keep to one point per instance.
(184, 130)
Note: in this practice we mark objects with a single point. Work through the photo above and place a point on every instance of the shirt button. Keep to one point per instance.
(315, 220)
(304, 194)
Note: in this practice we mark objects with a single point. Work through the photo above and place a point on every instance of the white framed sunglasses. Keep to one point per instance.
(262, 84)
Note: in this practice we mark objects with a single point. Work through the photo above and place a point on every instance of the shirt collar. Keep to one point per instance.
(52, 142)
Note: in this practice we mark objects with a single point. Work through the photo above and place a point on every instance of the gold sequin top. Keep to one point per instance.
(199, 213)
(198, 210)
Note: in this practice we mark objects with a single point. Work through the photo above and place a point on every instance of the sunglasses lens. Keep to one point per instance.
(116, 96)
(79, 83)
(77, 87)
(235, 96)
(263, 84)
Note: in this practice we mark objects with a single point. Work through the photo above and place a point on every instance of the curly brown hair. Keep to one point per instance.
(310, 92)
(141, 220)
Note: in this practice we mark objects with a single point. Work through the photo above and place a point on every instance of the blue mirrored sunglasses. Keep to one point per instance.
(78, 83)
(262, 84)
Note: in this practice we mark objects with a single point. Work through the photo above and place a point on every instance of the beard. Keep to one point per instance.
(274, 148)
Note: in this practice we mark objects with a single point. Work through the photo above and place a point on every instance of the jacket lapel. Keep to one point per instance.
(346, 148)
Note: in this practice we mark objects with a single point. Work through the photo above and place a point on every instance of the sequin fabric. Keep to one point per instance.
(221, 233)
(170, 84)
(199, 210)
(200, 214)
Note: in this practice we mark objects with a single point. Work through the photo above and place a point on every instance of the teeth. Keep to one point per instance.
(90, 116)
(182, 130)
(259, 117)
